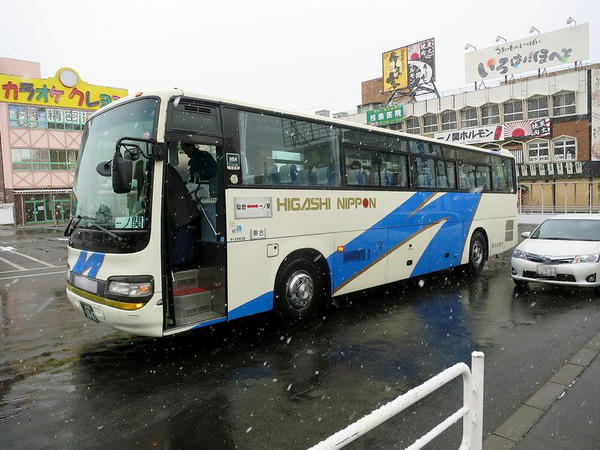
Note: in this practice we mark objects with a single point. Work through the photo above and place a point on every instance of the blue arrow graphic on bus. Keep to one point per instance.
(91, 263)
(422, 210)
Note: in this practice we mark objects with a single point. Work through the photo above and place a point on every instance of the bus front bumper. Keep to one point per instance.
(145, 321)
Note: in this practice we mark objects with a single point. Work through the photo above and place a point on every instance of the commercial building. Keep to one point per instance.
(41, 123)
(550, 122)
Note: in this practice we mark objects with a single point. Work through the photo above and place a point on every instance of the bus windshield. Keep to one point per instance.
(97, 205)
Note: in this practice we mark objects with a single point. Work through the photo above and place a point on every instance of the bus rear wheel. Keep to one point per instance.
(477, 253)
(299, 290)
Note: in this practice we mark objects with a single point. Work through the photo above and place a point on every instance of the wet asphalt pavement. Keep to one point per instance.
(66, 382)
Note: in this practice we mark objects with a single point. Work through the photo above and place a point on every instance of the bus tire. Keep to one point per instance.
(477, 253)
(298, 290)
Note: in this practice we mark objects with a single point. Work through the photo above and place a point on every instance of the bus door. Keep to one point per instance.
(193, 204)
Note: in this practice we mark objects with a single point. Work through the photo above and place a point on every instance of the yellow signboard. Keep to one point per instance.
(411, 66)
(395, 69)
(65, 90)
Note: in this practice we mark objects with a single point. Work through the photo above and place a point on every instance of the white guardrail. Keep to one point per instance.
(471, 412)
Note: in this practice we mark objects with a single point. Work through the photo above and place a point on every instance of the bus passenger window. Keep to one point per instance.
(474, 178)
(424, 172)
(418, 147)
(286, 151)
(445, 174)
(502, 174)
(451, 173)
(362, 167)
(394, 170)
(355, 173)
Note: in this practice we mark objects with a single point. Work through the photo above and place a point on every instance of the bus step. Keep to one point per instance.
(192, 304)
(203, 317)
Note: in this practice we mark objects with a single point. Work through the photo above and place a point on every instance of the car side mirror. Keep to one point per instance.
(526, 234)
(122, 173)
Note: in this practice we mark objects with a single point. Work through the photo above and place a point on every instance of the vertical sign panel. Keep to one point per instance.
(595, 115)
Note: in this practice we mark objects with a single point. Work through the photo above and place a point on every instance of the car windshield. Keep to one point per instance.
(96, 202)
(568, 230)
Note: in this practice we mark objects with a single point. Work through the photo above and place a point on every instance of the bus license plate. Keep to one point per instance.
(88, 312)
(546, 270)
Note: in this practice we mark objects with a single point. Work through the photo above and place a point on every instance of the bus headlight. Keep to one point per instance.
(135, 289)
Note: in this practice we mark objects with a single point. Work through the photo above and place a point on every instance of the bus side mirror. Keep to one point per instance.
(122, 173)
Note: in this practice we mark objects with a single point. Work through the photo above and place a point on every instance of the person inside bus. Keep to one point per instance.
(182, 213)
(357, 173)
(270, 173)
(202, 166)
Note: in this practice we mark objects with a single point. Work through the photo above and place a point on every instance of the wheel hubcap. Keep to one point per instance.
(300, 290)
(477, 252)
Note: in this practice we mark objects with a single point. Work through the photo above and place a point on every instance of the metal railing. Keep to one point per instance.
(559, 197)
(471, 412)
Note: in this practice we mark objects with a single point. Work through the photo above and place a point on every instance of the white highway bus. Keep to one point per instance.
(193, 210)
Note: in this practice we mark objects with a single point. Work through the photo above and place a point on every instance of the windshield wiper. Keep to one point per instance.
(110, 233)
(71, 225)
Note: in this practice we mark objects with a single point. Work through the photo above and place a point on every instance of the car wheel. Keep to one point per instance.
(299, 290)
(520, 283)
(477, 253)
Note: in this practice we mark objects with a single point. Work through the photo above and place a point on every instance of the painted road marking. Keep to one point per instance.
(34, 268)
(10, 263)
(32, 258)
(33, 275)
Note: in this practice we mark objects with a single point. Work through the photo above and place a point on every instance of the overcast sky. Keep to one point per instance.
(303, 55)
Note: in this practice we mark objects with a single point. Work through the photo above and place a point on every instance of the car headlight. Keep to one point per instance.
(586, 258)
(127, 289)
(519, 254)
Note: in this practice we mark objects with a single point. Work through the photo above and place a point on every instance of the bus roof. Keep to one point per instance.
(167, 94)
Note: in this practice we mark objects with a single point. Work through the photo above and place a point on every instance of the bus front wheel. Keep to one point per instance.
(299, 290)
(477, 253)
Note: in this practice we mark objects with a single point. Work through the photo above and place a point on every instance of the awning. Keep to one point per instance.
(42, 191)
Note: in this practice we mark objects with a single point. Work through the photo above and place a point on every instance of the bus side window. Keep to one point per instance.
(509, 164)
(502, 174)
(394, 170)
(423, 171)
(445, 172)
(466, 176)
(280, 150)
(474, 177)
(498, 177)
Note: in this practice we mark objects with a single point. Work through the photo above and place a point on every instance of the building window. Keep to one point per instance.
(27, 116)
(430, 123)
(538, 151)
(468, 117)
(43, 118)
(412, 125)
(563, 103)
(516, 148)
(490, 114)
(43, 159)
(46, 208)
(513, 110)
(395, 126)
(565, 149)
(448, 120)
(537, 107)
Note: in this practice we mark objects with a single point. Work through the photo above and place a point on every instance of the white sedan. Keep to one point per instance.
(563, 250)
